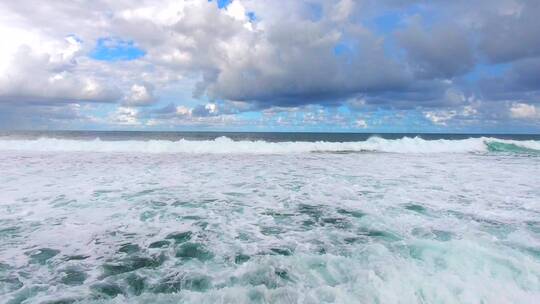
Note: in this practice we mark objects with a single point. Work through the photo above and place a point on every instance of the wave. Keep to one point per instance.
(512, 147)
(224, 145)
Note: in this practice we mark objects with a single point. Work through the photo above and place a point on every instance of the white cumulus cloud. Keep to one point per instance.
(524, 111)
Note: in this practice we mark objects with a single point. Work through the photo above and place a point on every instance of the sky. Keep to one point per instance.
(281, 65)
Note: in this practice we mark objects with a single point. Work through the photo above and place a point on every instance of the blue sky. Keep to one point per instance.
(111, 49)
(349, 66)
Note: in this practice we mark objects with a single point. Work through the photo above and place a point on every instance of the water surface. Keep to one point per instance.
(161, 219)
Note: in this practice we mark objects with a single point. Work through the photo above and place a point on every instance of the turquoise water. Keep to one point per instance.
(495, 146)
(404, 220)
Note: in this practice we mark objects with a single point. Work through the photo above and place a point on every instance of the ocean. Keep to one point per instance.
(209, 217)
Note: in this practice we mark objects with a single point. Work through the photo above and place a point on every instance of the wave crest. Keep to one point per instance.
(224, 145)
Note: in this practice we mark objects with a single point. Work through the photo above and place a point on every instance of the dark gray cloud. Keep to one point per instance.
(512, 34)
(520, 83)
(444, 51)
(288, 68)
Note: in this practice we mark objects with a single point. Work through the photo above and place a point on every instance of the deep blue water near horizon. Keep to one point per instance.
(250, 136)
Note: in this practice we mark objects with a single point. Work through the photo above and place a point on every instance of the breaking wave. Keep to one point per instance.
(225, 145)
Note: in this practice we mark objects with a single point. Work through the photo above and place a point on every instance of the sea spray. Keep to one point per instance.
(224, 145)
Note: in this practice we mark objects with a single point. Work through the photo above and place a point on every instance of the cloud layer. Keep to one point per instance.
(349, 64)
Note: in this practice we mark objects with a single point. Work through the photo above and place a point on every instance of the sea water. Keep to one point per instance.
(116, 217)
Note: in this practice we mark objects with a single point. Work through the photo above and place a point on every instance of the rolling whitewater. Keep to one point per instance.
(168, 217)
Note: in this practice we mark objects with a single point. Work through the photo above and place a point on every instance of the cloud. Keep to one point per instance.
(440, 117)
(125, 116)
(440, 52)
(140, 95)
(273, 65)
(443, 117)
(511, 33)
(138, 57)
(520, 82)
(37, 75)
(361, 123)
(67, 116)
(524, 111)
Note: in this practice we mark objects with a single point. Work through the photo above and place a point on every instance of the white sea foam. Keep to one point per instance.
(224, 145)
(334, 228)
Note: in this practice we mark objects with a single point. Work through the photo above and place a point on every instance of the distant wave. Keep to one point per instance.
(224, 145)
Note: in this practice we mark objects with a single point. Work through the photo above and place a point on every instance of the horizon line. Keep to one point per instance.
(284, 132)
